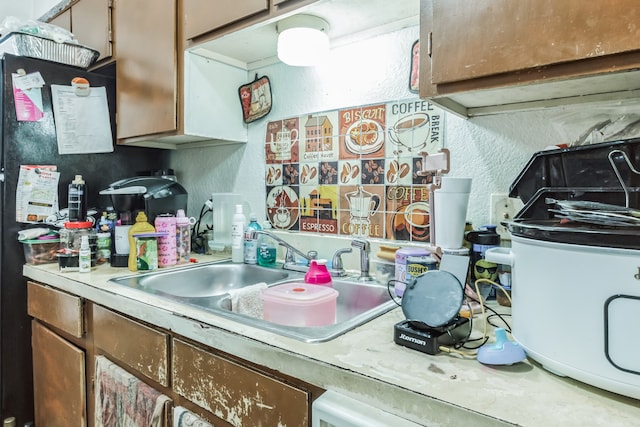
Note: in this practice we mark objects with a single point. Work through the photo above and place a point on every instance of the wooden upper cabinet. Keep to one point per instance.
(489, 37)
(146, 73)
(493, 56)
(203, 16)
(63, 20)
(91, 24)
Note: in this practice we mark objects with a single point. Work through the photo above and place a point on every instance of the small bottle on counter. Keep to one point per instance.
(237, 233)
(183, 237)
(251, 240)
(77, 200)
(84, 254)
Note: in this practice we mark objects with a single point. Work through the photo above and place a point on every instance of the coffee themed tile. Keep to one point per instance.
(398, 171)
(308, 173)
(407, 213)
(319, 209)
(319, 137)
(372, 171)
(273, 174)
(358, 171)
(291, 173)
(282, 141)
(362, 132)
(362, 210)
(328, 173)
(283, 207)
(349, 172)
(412, 127)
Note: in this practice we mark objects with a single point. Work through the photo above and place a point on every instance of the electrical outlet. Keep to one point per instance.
(503, 208)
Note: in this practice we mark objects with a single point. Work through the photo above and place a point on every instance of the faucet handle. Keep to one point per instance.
(337, 269)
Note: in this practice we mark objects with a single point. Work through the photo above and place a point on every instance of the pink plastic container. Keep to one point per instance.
(300, 304)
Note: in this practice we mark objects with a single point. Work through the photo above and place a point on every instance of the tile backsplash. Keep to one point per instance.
(359, 171)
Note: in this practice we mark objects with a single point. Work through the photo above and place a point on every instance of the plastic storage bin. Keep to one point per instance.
(300, 304)
(40, 251)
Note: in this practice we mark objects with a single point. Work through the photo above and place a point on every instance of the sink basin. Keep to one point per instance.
(202, 280)
(208, 286)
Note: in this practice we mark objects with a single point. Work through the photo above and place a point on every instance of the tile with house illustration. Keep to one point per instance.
(319, 209)
(407, 215)
(359, 171)
(362, 210)
(282, 141)
(320, 137)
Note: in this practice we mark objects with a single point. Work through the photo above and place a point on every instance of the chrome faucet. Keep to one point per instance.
(289, 258)
(363, 245)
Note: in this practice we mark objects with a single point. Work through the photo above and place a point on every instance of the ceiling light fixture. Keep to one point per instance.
(303, 40)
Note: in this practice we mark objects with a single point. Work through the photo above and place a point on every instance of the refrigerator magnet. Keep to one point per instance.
(81, 86)
(255, 99)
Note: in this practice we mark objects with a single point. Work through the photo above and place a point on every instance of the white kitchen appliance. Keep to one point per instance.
(575, 282)
(334, 409)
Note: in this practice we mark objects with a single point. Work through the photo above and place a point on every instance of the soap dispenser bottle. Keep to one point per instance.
(141, 226)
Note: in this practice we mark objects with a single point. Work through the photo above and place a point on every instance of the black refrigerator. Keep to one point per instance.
(35, 143)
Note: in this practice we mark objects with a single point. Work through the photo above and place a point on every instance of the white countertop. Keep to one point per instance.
(441, 390)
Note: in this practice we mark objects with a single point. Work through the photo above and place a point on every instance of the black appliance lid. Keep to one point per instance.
(559, 231)
(586, 167)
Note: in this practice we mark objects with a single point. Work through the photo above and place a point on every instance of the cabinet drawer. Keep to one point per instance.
(133, 344)
(236, 393)
(56, 308)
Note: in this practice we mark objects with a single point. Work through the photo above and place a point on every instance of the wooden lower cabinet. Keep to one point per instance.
(60, 397)
(69, 333)
(234, 393)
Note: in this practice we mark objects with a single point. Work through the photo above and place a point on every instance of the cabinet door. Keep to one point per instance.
(237, 394)
(145, 50)
(59, 387)
(91, 24)
(202, 16)
(490, 37)
(63, 20)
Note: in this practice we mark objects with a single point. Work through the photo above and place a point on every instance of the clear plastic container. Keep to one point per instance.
(70, 242)
(300, 304)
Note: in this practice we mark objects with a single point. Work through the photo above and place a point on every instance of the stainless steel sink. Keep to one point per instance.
(202, 280)
(207, 286)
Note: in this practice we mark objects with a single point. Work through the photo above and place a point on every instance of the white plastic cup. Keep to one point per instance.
(450, 205)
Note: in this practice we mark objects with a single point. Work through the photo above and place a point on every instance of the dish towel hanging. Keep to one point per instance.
(182, 417)
(122, 400)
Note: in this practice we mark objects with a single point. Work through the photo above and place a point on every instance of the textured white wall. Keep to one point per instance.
(492, 149)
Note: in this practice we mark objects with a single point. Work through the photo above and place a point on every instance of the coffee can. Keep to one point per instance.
(417, 265)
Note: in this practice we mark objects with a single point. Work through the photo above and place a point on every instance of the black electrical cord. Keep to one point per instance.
(198, 238)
